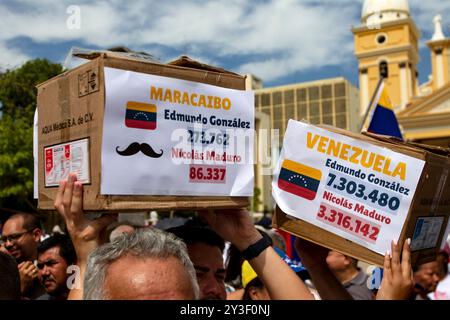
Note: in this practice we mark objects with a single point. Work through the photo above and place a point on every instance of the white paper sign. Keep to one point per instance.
(351, 188)
(165, 136)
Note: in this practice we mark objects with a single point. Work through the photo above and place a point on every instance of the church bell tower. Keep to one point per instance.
(386, 45)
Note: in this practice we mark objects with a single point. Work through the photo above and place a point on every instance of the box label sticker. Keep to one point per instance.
(167, 136)
(88, 83)
(426, 233)
(349, 187)
(61, 159)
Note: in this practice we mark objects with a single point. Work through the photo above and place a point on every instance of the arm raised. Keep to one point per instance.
(86, 234)
(279, 279)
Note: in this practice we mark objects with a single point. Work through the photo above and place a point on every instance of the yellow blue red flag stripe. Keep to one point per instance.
(140, 115)
(299, 179)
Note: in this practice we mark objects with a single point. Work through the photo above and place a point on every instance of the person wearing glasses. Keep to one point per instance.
(21, 236)
(55, 255)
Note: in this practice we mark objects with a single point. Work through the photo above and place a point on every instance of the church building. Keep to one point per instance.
(387, 45)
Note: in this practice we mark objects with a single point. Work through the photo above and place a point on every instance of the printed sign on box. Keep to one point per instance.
(68, 112)
(354, 189)
(64, 158)
(166, 136)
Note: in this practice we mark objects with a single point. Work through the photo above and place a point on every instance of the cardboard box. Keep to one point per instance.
(71, 107)
(430, 206)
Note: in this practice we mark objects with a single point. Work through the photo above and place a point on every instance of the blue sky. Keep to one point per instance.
(280, 41)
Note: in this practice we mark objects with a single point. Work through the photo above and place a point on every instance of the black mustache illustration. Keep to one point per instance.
(135, 147)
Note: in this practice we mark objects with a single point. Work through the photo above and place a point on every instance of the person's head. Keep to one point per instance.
(116, 229)
(205, 248)
(338, 262)
(254, 288)
(145, 264)
(55, 255)
(426, 276)
(9, 278)
(21, 235)
(442, 260)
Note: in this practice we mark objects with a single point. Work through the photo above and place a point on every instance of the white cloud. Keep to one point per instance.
(305, 38)
(424, 11)
(11, 58)
(48, 22)
(301, 34)
(281, 36)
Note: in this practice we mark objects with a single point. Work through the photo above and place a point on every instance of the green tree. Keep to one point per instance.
(17, 106)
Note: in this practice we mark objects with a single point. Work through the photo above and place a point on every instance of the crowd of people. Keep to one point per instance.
(218, 254)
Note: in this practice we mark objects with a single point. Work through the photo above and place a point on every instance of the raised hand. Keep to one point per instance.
(397, 283)
(28, 272)
(235, 226)
(85, 233)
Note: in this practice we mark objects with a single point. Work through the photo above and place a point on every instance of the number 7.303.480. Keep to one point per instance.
(359, 190)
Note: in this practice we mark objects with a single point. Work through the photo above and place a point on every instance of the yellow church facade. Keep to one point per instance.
(393, 50)
(387, 45)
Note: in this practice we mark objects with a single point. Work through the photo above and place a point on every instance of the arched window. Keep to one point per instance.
(384, 71)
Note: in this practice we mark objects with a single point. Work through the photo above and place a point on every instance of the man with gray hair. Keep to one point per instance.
(146, 264)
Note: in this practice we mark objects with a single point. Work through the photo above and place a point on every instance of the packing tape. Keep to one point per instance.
(64, 105)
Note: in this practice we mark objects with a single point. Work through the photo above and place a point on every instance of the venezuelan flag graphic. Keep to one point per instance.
(140, 115)
(383, 119)
(299, 179)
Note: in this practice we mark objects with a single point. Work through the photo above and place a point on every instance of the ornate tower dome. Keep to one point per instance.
(379, 11)
(386, 45)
